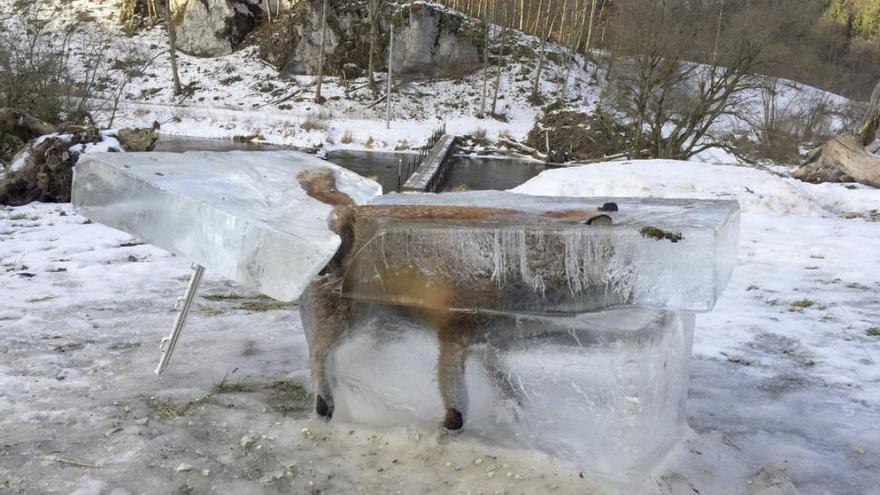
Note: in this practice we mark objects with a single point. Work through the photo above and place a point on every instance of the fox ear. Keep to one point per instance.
(600, 220)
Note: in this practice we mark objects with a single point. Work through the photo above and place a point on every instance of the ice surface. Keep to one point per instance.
(242, 215)
(543, 265)
(605, 390)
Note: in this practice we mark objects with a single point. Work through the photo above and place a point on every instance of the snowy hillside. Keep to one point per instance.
(238, 95)
(785, 387)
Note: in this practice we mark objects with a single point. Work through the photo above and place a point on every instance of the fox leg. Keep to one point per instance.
(499, 376)
(329, 317)
(454, 336)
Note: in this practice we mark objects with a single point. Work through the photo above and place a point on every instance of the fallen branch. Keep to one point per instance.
(519, 146)
(843, 157)
(71, 462)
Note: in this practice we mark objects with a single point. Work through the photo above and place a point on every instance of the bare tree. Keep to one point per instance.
(671, 103)
(318, 98)
(536, 87)
(172, 47)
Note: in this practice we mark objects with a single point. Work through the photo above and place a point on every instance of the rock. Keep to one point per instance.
(183, 468)
(136, 140)
(771, 480)
(210, 28)
(433, 42)
(246, 441)
(429, 40)
(352, 71)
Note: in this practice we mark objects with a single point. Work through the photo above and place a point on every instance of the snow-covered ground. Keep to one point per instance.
(785, 385)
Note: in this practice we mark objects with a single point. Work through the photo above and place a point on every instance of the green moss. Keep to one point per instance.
(224, 297)
(264, 305)
(227, 387)
(803, 303)
(168, 409)
(660, 234)
(289, 396)
(873, 332)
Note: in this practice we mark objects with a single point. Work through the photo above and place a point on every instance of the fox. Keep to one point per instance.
(330, 314)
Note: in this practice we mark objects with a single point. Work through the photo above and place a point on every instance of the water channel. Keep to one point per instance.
(468, 173)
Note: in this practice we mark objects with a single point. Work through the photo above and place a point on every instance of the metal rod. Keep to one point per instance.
(169, 343)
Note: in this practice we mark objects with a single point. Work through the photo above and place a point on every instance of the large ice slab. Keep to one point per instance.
(669, 254)
(604, 390)
(242, 215)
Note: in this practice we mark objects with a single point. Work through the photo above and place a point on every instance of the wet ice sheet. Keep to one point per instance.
(550, 266)
(242, 215)
(603, 390)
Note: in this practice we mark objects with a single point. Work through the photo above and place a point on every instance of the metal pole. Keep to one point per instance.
(388, 91)
(169, 343)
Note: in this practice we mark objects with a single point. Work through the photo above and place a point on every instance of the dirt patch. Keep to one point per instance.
(568, 136)
(45, 167)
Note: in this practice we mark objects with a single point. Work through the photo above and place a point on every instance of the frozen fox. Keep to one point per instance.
(331, 314)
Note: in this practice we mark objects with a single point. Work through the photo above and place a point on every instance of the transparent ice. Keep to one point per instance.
(535, 265)
(585, 346)
(241, 215)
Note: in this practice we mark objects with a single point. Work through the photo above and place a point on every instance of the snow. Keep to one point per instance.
(775, 385)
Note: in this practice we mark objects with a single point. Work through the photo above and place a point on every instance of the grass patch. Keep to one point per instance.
(251, 304)
(264, 305)
(660, 234)
(168, 409)
(226, 387)
(224, 297)
(873, 332)
(803, 303)
(209, 311)
(289, 396)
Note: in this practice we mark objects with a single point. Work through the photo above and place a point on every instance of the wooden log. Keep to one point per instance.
(871, 124)
(847, 155)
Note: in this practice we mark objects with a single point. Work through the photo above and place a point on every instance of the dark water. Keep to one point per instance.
(467, 173)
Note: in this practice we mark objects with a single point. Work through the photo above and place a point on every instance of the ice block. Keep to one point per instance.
(603, 390)
(670, 254)
(241, 215)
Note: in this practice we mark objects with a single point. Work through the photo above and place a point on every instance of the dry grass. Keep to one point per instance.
(315, 121)
(347, 137)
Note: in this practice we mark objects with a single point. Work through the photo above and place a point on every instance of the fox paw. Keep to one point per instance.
(323, 408)
(454, 420)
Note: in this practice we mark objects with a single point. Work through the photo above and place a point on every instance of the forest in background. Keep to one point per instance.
(830, 44)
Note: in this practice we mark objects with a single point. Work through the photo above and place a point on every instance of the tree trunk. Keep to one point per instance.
(371, 67)
(318, 98)
(871, 124)
(847, 155)
(498, 71)
(536, 87)
(172, 47)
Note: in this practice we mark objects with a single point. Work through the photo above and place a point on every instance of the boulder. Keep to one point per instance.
(429, 40)
(210, 28)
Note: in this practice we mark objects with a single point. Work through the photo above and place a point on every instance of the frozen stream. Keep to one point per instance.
(468, 173)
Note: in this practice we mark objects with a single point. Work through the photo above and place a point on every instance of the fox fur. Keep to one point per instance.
(331, 314)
